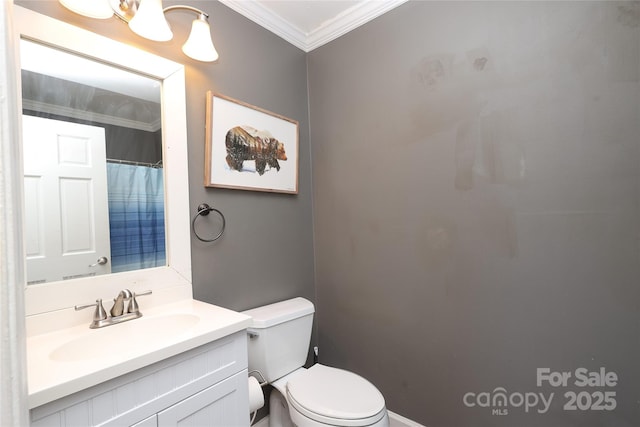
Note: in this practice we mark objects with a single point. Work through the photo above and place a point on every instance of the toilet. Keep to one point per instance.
(320, 396)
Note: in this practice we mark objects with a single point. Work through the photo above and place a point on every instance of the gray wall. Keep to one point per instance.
(477, 206)
(266, 253)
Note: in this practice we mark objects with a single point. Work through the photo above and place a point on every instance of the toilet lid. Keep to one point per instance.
(325, 394)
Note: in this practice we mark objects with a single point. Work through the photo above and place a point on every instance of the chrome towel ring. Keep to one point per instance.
(204, 210)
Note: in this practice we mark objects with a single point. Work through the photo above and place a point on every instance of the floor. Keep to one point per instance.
(395, 420)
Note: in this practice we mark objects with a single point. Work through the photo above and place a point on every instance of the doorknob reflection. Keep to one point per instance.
(100, 261)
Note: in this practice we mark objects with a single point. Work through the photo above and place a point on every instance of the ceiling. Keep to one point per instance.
(309, 24)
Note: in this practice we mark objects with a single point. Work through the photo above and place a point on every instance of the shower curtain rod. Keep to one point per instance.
(156, 165)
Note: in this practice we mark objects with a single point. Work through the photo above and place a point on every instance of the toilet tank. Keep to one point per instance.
(279, 337)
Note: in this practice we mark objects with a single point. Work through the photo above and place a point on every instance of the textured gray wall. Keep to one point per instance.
(266, 253)
(477, 208)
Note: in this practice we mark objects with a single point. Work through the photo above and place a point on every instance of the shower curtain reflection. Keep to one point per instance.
(136, 216)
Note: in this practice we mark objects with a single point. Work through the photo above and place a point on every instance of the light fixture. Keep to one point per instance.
(199, 44)
(98, 9)
(147, 19)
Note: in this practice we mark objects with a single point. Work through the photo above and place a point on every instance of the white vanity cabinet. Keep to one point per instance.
(205, 386)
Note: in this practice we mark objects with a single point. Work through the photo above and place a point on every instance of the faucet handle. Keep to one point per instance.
(98, 314)
(133, 304)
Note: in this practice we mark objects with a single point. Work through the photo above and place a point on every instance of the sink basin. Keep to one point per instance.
(127, 336)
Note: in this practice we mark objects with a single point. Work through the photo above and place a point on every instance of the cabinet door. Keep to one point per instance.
(225, 404)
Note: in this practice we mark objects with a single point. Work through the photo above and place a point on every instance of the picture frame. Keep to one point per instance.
(249, 148)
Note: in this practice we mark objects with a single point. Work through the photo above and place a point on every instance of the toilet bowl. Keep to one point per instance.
(319, 396)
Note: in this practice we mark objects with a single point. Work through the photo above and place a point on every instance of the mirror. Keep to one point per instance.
(174, 273)
(94, 203)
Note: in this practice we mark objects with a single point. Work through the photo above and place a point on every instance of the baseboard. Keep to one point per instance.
(397, 421)
(400, 421)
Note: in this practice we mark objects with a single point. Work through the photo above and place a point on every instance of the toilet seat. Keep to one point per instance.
(335, 397)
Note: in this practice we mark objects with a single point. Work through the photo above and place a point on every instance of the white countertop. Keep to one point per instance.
(72, 359)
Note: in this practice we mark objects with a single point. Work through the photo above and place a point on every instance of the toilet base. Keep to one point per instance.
(279, 410)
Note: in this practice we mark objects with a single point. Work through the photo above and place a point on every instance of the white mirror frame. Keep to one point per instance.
(175, 278)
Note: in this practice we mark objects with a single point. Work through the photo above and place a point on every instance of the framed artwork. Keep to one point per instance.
(249, 148)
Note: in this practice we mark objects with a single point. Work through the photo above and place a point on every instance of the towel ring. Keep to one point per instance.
(204, 210)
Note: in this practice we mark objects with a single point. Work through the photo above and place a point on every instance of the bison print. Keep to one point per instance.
(247, 143)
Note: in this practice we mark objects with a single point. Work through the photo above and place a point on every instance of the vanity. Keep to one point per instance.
(182, 361)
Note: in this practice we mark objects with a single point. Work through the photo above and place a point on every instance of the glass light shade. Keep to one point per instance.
(199, 45)
(97, 9)
(149, 21)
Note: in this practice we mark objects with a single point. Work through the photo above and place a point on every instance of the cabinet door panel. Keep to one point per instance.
(225, 404)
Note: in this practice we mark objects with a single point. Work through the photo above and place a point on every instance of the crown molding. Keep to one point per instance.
(75, 113)
(264, 17)
(346, 21)
(350, 19)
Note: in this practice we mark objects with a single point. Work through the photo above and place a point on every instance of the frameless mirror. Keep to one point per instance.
(92, 146)
(162, 117)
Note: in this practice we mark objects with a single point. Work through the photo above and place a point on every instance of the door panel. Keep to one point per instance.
(67, 216)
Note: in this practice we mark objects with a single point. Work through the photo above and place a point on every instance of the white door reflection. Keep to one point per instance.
(66, 205)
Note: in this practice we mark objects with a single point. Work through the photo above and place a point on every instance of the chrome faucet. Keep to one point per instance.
(118, 312)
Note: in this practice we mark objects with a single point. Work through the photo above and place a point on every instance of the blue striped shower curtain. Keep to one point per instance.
(136, 217)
